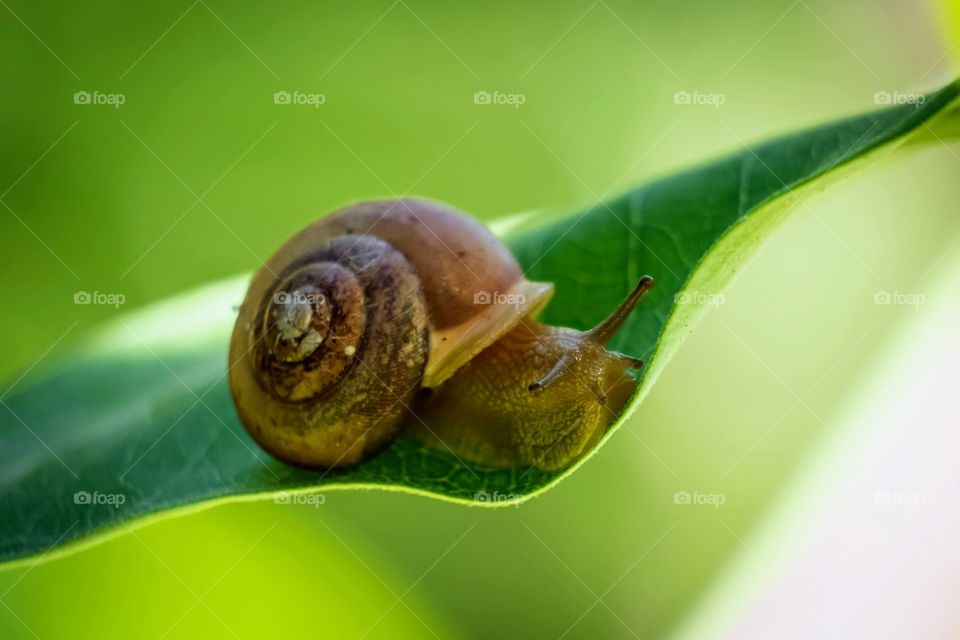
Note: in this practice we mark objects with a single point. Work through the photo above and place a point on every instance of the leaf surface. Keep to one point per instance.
(140, 424)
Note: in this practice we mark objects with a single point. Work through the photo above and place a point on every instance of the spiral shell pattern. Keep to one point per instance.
(333, 351)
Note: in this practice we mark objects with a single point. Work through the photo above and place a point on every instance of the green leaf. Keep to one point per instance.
(140, 423)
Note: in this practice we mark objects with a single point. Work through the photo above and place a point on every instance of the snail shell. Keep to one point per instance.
(409, 312)
(356, 313)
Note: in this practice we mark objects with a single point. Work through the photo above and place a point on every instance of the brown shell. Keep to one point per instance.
(355, 313)
(335, 404)
(473, 286)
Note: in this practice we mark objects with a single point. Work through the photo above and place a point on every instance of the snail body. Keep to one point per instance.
(379, 318)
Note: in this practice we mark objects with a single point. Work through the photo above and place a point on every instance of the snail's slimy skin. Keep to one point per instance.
(407, 311)
(488, 413)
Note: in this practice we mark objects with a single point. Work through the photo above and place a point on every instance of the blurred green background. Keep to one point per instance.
(200, 175)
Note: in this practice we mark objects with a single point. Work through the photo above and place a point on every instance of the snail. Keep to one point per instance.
(408, 316)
